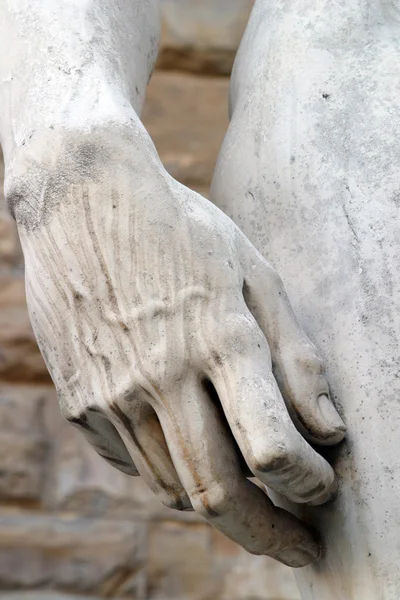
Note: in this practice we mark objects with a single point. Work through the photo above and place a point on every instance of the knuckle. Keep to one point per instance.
(210, 502)
(78, 418)
(275, 280)
(162, 367)
(272, 458)
(235, 333)
(311, 363)
(68, 411)
(175, 500)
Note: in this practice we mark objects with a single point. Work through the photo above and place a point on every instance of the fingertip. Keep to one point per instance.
(336, 429)
(323, 436)
(319, 422)
(301, 555)
(328, 495)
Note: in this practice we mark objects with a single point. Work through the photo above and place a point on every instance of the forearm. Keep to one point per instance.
(72, 83)
(67, 64)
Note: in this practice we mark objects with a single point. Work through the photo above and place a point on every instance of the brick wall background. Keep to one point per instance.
(72, 527)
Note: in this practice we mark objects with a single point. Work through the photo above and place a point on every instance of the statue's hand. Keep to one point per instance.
(170, 341)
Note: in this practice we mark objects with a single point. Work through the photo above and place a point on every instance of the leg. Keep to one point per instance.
(309, 170)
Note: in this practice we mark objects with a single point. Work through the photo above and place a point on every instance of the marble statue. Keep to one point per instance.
(168, 335)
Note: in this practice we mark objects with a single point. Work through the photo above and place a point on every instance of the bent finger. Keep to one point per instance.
(141, 431)
(271, 445)
(104, 438)
(203, 452)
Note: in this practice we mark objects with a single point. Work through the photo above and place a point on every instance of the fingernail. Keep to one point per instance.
(301, 555)
(330, 414)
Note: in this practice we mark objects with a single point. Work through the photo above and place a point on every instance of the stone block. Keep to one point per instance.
(23, 443)
(69, 553)
(202, 36)
(20, 467)
(194, 561)
(20, 359)
(181, 562)
(10, 249)
(187, 132)
(44, 595)
(247, 577)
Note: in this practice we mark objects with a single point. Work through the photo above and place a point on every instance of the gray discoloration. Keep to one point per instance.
(33, 197)
(40, 178)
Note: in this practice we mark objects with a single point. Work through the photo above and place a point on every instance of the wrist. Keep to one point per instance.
(54, 160)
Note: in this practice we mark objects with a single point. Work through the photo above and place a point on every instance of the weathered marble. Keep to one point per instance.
(146, 300)
(310, 171)
(73, 479)
(170, 339)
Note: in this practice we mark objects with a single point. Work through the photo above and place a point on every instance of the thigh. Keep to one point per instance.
(309, 170)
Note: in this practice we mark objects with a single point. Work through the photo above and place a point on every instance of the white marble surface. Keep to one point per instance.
(142, 293)
(309, 171)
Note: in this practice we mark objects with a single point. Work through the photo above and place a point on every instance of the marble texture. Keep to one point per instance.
(309, 170)
(168, 335)
(69, 478)
(146, 300)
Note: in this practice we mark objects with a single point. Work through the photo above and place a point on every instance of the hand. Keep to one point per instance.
(171, 343)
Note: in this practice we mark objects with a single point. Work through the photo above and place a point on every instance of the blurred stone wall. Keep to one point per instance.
(202, 35)
(72, 527)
